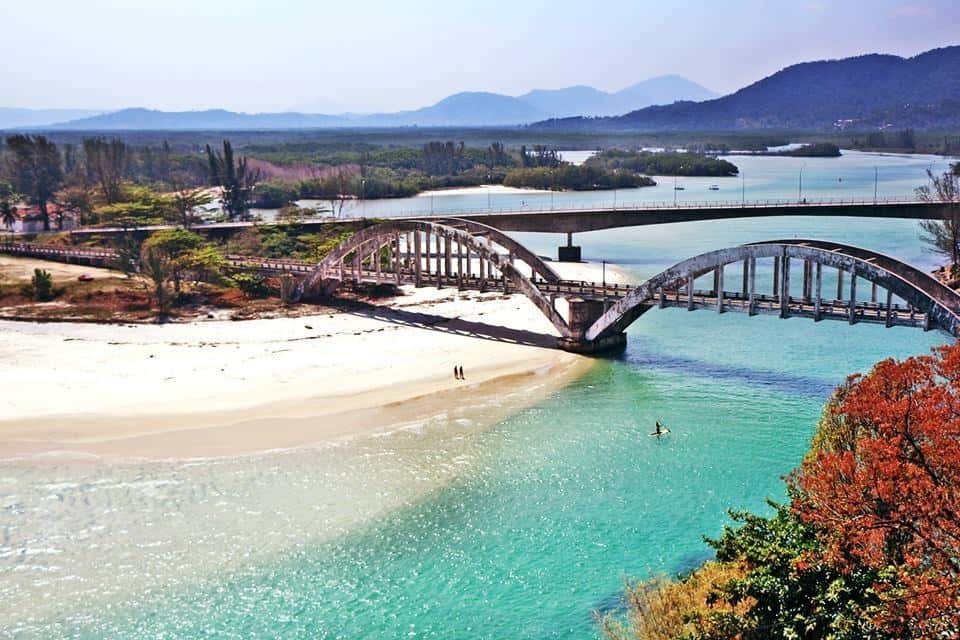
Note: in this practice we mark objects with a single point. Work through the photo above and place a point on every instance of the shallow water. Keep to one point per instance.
(443, 529)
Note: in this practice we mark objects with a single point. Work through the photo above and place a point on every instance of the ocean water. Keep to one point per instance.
(443, 529)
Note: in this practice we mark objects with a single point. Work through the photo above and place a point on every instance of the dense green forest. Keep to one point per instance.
(662, 164)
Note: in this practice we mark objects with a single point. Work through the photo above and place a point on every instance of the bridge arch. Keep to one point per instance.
(429, 251)
(939, 304)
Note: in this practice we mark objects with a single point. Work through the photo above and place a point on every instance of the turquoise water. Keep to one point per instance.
(561, 502)
(522, 531)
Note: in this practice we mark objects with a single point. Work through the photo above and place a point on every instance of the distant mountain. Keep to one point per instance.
(470, 108)
(146, 119)
(864, 91)
(660, 90)
(11, 118)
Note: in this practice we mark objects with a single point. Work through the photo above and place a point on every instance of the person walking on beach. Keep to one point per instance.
(461, 373)
(456, 373)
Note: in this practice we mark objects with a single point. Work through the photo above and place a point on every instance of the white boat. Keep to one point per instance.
(714, 187)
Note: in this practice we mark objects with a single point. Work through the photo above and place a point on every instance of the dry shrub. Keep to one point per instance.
(661, 609)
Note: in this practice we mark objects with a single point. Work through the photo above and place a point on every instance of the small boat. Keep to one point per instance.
(714, 187)
(678, 188)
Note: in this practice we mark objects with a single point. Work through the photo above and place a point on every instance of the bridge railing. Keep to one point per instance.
(648, 205)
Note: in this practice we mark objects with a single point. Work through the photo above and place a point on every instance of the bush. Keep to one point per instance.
(42, 285)
(251, 284)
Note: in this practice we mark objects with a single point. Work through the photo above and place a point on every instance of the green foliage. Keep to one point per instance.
(577, 178)
(235, 179)
(7, 209)
(179, 251)
(41, 285)
(36, 169)
(107, 162)
(904, 140)
(292, 241)
(663, 164)
(251, 284)
(137, 206)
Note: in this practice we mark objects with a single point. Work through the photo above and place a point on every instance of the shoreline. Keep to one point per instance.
(224, 388)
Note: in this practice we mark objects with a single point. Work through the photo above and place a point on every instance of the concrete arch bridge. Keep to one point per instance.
(788, 278)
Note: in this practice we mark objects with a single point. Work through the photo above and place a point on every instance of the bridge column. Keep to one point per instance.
(716, 282)
(889, 321)
(853, 295)
(840, 273)
(446, 255)
(873, 292)
(719, 284)
(785, 286)
(569, 253)
(483, 280)
(417, 266)
(440, 239)
(661, 299)
(396, 265)
(690, 292)
(746, 278)
(752, 306)
(816, 300)
(375, 256)
(459, 265)
(807, 284)
(776, 276)
(580, 316)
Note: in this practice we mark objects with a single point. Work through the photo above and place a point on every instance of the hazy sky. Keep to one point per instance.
(323, 55)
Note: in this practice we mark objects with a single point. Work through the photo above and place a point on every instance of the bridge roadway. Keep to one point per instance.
(597, 217)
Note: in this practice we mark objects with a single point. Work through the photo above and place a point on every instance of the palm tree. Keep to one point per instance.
(7, 210)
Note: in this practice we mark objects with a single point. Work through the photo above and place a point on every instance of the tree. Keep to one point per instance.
(338, 187)
(42, 285)
(74, 201)
(234, 178)
(36, 169)
(7, 210)
(943, 234)
(185, 202)
(173, 248)
(107, 163)
(884, 493)
(156, 266)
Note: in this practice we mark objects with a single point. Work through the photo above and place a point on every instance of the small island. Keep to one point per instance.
(669, 163)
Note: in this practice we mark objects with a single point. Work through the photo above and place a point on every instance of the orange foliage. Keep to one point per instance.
(889, 498)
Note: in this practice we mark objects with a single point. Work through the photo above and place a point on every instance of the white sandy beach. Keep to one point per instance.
(224, 387)
(235, 387)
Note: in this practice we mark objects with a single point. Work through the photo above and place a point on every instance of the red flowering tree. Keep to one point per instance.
(882, 489)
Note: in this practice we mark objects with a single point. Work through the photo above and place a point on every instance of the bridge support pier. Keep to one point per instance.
(581, 315)
(569, 253)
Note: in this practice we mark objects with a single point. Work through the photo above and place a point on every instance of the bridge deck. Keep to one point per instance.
(595, 217)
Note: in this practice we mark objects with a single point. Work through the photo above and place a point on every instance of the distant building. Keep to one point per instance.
(27, 219)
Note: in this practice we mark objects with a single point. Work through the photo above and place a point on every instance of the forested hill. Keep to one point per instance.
(866, 91)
